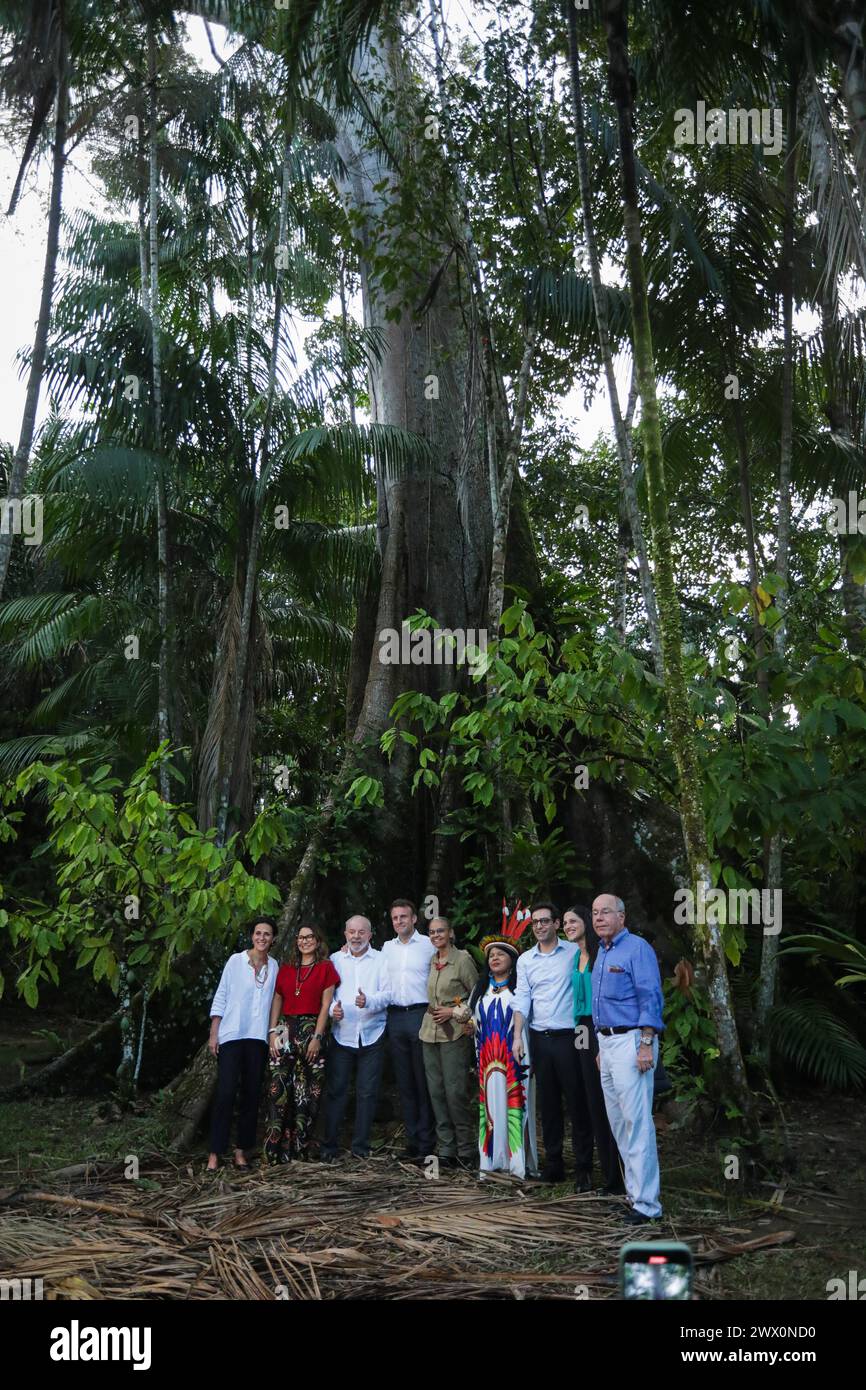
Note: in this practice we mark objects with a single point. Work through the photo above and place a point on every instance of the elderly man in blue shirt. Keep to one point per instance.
(627, 1013)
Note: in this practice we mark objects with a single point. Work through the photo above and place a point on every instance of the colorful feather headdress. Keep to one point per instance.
(512, 929)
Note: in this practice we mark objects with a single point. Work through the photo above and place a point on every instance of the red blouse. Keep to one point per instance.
(301, 990)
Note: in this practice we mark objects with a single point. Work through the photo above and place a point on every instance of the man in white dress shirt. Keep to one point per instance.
(407, 958)
(358, 1016)
(545, 1004)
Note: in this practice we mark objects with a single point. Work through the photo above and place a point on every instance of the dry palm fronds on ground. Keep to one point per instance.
(376, 1230)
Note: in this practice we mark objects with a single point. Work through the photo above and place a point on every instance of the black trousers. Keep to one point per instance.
(241, 1062)
(605, 1144)
(558, 1077)
(366, 1064)
(407, 1054)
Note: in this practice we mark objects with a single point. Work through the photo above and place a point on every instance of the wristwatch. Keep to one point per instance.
(647, 1041)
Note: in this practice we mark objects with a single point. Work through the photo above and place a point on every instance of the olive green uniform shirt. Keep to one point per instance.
(450, 986)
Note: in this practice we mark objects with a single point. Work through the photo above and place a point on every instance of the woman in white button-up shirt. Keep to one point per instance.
(238, 1039)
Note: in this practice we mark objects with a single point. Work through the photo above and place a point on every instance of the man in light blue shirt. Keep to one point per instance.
(627, 1013)
(544, 1003)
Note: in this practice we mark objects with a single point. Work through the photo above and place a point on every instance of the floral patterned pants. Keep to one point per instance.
(294, 1093)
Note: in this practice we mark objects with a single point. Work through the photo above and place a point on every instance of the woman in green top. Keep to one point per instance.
(448, 1050)
(577, 925)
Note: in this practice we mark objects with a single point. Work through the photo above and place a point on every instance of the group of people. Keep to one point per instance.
(573, 1020)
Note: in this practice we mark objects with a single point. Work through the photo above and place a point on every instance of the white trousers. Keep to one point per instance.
(628, 1099)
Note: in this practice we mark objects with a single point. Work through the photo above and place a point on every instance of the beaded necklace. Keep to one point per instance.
(301, 978)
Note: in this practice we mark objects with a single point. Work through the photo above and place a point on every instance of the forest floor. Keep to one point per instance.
(382, 1229)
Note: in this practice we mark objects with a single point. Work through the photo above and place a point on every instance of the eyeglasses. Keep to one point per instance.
(306, 938)
(542, 921)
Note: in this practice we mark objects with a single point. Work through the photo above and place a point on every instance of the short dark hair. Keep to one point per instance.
(260, 920)
(550, 907)
(403, 902)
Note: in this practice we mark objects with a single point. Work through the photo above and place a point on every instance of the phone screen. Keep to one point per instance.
(657, 1269)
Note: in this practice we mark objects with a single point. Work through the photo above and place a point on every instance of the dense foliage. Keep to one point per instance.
(221, 446)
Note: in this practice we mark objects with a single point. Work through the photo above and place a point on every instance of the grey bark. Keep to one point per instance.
(18, 472)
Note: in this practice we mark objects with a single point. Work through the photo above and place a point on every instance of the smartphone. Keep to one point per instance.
(655, 1269)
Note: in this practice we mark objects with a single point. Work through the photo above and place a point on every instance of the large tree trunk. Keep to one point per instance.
(15, 486)
(680, 724)
(434, 522)
(186, 1101)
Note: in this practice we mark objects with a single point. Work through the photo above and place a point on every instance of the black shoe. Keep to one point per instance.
(355, 1154)
(613, 1190)
(468, 1162)
(583, 1183)
(327, 1158)
(637, 1218)
(447, 1161)
(552, 1175)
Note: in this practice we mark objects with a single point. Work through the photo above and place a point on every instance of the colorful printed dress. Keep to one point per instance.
(506, 1100)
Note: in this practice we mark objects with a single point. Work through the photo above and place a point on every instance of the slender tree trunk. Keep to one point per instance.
(344, 343)
(620, 428)
(839, 413)
(680, 721)
(242, 665)
(162, 556)
(501, 501)
(140, 1053)
(18, 473)
(744, 471)
(770, 940)
(126, 1067)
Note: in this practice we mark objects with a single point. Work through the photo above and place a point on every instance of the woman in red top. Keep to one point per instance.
(302, 997)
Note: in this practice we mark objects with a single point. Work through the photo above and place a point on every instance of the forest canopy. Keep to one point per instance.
(522, 338)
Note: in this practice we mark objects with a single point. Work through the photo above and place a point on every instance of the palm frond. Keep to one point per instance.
(806, 1035)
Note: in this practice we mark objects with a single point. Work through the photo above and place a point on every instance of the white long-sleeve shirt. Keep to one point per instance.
(368, 974)
(243, 1006)
(408, 968)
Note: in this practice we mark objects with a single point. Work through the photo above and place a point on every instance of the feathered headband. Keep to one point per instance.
(512, 929)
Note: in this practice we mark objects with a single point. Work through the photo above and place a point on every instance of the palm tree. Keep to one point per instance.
(680, 723)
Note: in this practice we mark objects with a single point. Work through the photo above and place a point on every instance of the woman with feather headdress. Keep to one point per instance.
(506, 1090)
